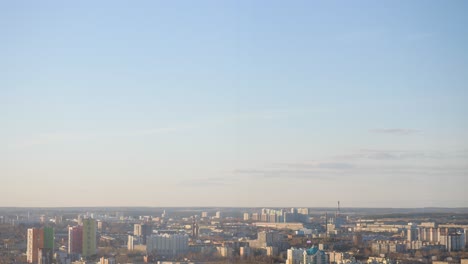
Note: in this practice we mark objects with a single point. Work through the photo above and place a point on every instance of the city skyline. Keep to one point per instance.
(234, 103)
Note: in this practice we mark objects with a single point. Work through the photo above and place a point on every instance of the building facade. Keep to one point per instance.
(35, 241)
(89, 237)
(40, 241)
(75, 240)
(307, 256)
(167, 244)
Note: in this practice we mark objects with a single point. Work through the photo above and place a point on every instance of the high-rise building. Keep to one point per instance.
(412, 232)
(89, 237)
(142, 230)
(246, 216)
(49, 238)
(40, 242)
(441, 233)
(130, 243)
(35, 242)
(219, 215)
(453, 241)
(433, 235)
(137, 229)
(255, 217)
(75, 240)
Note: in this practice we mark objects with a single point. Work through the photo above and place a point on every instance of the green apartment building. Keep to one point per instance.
(89, 237)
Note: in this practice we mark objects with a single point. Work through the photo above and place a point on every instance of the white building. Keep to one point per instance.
(246, 216)
(307, 256)
(219, 215)
(135, 244)
(304, 211)
(167, 245)
(130, 242)
(30, 248)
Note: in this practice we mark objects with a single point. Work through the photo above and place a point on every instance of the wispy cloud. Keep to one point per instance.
(316, 170)
(418, 171)
(394, 131)
(383, 154)
(335, 165)
(284, 173)
(318, 165)
(370, 163)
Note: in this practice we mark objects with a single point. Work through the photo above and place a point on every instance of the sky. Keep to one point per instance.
(234, 103)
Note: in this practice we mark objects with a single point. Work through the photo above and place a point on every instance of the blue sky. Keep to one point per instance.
(234, 103)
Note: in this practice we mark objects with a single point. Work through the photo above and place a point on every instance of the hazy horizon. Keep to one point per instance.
(234, 104)
(331, 208)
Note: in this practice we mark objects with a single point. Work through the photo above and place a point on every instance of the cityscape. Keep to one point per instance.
(234, 235)
(234, 131)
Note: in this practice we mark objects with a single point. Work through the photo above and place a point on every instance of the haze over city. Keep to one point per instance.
(234, 103)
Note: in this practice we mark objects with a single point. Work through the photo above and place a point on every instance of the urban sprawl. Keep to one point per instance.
(233, 235)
